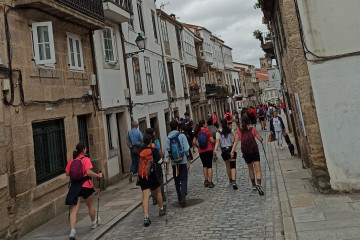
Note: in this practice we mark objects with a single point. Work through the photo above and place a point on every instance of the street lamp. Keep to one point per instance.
(140, 43)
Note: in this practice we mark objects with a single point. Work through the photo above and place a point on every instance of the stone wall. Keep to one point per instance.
(26, 203)
(298, 81)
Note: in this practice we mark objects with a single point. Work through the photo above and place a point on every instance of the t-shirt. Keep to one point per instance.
(218, 136)
(135, 137)
(214, 118)
(254, 132)
(212, 129)
(209, 146)
(277, 125)
(86, 163)
(253, 111)
(225, 117)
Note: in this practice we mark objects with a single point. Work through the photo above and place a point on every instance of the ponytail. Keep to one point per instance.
(198, 127)
(245, 121)
(79, 149)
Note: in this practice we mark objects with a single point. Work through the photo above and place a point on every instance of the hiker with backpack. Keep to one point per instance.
(225, 139)
(203, 141)
(81, 185)
(228, 117)
(148, 179)
(159, 172)
(252, 116)
(134, 139)
(261, 114)
(177, 150)
(250, 151)
(187, 129)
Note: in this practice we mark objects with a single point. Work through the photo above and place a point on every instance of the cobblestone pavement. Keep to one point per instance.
(217, 213)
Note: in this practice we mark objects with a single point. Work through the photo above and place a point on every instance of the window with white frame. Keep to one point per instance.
(161, 75)
(109, 45)
(154, 25)
(148, 75)
(43, 43)
(76, 61)
(183, 76)
(141, 19)
(137, 76)
(164, 30)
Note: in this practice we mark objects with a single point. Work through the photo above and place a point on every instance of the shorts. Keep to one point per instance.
(151, 183)
(226, 153)
(86, 192)
(254, 157)
(253, 120)
(206, 159)
(261, 119)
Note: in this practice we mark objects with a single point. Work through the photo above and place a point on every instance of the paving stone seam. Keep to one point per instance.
(106, 228)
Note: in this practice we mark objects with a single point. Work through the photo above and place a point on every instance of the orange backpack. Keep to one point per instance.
(146, 163)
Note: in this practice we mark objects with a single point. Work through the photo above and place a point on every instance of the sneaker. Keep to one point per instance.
(94, 225)
(234, 185)
(206, 183)
(281, 148)
(211, 185)
(183, 201)
(147, 222)
(162, 212)
(72, 235)
(254, 188)
(131, 177)
(260, 190)
(154, 201)
(230, 181)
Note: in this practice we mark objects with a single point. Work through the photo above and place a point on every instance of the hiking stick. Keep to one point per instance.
(216, 168)
(167, 195)
(98, 197)
(267, 161)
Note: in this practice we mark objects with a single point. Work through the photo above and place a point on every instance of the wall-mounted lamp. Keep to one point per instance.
(140, 43)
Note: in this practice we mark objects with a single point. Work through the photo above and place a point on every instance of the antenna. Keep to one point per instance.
(162, 5)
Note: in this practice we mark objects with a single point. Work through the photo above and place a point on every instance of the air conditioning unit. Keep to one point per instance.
(127, 93)
(92, 80)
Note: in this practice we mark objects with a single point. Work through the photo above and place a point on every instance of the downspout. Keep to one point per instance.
(126, 72)
(164, 67)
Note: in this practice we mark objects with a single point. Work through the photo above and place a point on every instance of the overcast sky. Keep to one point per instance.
(232, 20)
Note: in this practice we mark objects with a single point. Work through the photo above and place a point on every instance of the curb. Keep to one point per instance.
(286, 214)
(109, 225)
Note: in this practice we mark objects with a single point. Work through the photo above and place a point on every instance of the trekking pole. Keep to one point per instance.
(167, 195)
(216, 168)
(98, 197)
(267, 161)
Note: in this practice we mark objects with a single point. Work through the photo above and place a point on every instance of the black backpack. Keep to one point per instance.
(228, 117)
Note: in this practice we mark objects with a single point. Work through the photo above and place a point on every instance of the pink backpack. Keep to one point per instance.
(76, 170)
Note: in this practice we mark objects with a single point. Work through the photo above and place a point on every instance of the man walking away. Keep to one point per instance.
(177, 149)
(134, 139)
(261, 114)
(228, 117)
(187, 128)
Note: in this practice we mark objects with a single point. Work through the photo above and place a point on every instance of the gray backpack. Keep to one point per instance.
(226, 141)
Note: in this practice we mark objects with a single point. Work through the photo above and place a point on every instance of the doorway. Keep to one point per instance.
(154, 123)
(120, 137)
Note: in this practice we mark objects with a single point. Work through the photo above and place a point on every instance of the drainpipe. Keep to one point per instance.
(126, 72)
(164, 67)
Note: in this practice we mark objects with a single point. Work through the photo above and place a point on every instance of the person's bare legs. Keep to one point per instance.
(73, 213)
(145, 201)
(228, 170)
(159, 197)
(90, 204)
(251, 171)
(209, 174)
(257, 169)
(205, 171)
(233, 170)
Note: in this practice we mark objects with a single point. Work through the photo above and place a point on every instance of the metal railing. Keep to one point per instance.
(124, 4)
(91, 8)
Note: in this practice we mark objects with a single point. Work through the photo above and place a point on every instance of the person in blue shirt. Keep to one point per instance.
(134, 139)
(186, 127)
(179, 168)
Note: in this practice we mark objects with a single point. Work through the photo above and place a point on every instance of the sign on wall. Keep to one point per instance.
(202, 82)
(275, 78)
(301, 120)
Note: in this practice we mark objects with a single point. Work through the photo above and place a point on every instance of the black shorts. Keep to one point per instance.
(253, 120)
(86, 192)
(151, 183)
(206, 159)
(226, 153)
(254, 157)
(261, 119)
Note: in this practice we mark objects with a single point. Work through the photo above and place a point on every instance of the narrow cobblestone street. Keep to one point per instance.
(218, 213)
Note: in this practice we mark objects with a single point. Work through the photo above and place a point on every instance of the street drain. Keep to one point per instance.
(289, 170)
(189, 202)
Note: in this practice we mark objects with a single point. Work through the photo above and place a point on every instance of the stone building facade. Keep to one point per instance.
(281, 18)
(47, 107)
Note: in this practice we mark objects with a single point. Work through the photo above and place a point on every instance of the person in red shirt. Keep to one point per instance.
(228, 116)
(214, 117)
(202, 133)
(83, 188)
(252, 115)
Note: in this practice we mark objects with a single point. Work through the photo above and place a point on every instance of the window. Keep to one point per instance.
(183, 76)
(131, 24)
(49, 149)
(148, 75)
(76, 61)
(43, 43)
(137, 76)
(164, 30)
(141, 19)
(171, 75)
(108, 127)
(109, 45)
(142, 125)
(161, 75)
(154, 25)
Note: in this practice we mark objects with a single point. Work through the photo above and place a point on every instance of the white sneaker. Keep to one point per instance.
(94, 225)
(72, 235)
(281, 148)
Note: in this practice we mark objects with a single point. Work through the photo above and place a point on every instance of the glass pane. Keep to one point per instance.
(72, 57)
(78, 52)
(41, 32)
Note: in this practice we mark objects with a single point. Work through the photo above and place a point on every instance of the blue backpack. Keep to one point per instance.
(176, 154)
(202, 140)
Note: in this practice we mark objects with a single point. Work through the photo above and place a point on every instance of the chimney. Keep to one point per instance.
(173, 16)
